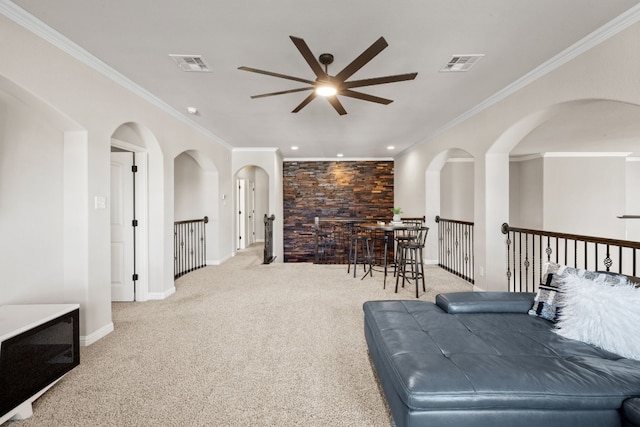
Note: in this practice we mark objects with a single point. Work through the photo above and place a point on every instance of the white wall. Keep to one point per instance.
(68, 111)
(632, 199)
(526, 193)
(456, 190)
(31, 207)
(189, 189)
(583, 195)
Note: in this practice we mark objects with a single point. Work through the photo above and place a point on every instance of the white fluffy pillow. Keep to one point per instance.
(602, 315)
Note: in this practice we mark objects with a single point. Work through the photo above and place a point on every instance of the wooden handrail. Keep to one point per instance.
(205, 220)
(590, 239)
(454, 221)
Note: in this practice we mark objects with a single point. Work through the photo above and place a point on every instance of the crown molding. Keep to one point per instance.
(253, 149)
(45, 32)
(608, 30)
(574, 154)
(587, 154)
(461, 160)
(526, 157)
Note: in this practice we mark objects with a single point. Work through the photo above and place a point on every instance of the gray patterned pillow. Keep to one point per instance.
(548, 299)
(559, 273)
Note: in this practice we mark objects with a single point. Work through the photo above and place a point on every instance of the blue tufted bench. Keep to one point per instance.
(478, 359)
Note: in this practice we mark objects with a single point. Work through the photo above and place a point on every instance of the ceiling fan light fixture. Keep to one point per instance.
(326, 90)
(327, 85)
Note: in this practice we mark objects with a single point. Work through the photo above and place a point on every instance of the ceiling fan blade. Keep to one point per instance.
(366, 56)
(309, 57)
(302, 89)
(282, 76)
(333, 100)
(379, 80)
(365, 96)
(307, 100)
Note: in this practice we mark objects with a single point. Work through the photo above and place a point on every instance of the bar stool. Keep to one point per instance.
(411, 263)
(403, 236)
(326, 244)
(379, 249)
(359, 238)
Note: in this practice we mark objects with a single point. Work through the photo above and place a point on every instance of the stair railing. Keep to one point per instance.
(190, 246)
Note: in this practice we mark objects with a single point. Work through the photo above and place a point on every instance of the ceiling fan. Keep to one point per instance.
(330, 86)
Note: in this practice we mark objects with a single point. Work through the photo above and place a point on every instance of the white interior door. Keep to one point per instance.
(122, 237)
(242, 222)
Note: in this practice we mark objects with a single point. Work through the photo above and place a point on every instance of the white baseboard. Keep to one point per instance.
(218, 261)
(87, 340)
(161, 295)
(431, 262)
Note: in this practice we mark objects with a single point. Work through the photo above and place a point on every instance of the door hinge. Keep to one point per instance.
(134, 223)
(134, 168)
(134, 277)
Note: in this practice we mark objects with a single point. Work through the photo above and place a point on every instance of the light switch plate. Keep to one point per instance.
(100, 202)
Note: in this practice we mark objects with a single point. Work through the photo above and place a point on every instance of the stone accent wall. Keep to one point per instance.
(331, 189)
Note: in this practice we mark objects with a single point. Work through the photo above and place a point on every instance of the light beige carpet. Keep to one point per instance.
(241, 344)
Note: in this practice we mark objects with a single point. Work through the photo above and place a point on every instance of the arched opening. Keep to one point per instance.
(571, 171)
(196, 196)
(136, 213)
(450, 196)
(574, 172)
(251, 201)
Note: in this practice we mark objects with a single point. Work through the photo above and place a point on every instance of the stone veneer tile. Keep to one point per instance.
(331, 189)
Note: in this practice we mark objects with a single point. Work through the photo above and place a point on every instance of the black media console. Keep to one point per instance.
(39, 343)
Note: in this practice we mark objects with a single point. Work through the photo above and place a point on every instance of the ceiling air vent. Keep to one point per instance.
(191, 63)
(461, 62)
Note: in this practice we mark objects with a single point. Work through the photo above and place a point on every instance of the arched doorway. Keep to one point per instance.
(251, 205)
(133, 150)
(196, 195)
(583, 148)
(449, 187)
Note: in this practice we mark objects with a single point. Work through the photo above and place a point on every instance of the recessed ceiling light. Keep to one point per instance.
(340, 155)
(391, 147)
(294, 147)
(192, 110)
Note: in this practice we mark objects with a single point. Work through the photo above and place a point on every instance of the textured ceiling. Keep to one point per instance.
(136, 37)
